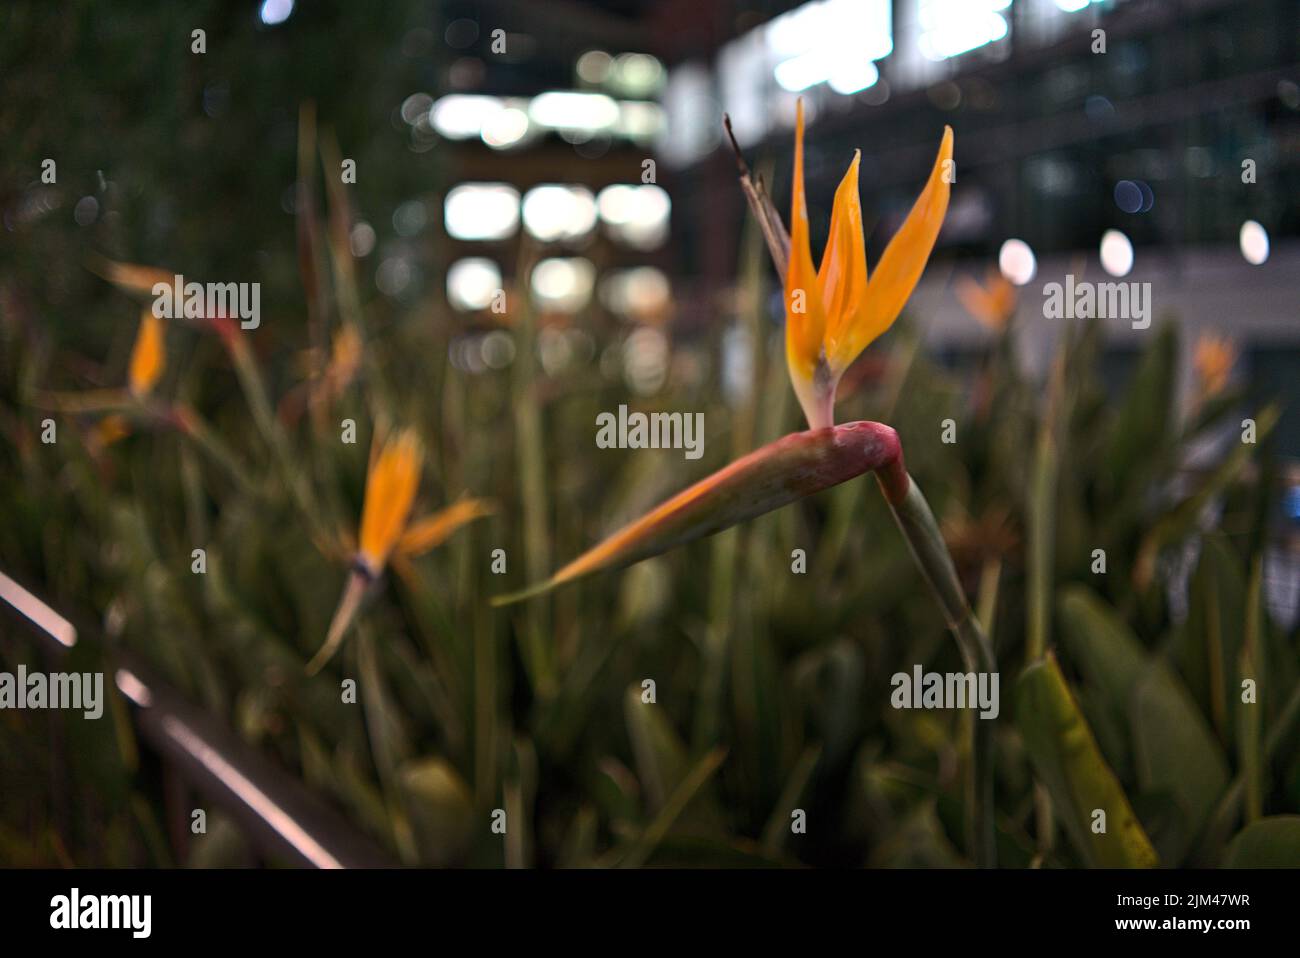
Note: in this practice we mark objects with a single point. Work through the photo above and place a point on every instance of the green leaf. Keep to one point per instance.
(1102, 645)
(1212, 635)
(1182, 520)
(1250, 748)
(1065, 754)
(1141, 429)
(683, 797)
(1177, 756)
(778, 824)
(440, 807)
(662, 762)
(1272, 842)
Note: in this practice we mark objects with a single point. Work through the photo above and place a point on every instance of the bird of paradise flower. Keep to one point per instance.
(832, 314)
(993, 303)
(387, 535)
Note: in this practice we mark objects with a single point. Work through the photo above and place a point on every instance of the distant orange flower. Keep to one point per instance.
(345, 359)
(148, 360)
(131, 277)
(148, 357)
(993, 303)
(112, 428)
(386, 532)
(1213, 358)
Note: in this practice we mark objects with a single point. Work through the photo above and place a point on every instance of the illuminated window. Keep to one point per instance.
(950, 27)
(694, 117)
(636, 74)
(639, 293)
(463, 117)
(472, 282)
(566, 110)
(553, 212)
(564, 284)
(636, 215)
(831, 41)
(639, 121)
(506, 128)
(481, 211)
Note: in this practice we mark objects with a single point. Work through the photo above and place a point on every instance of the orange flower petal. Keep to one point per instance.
(131, 277)
(111, 429)
(433, 530)
(147, 355)
(992, 304)
(843, 273)
(345, 357)
(390, 493)
(903, 262)
(805, 318)
(1213, 359)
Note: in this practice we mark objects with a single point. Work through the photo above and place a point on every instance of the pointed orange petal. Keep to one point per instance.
(111, 429)
(805, 318)
(345, 357)
(980, 302)
(131, 277)
(1004, 294)
(433, 530)
(790, 468)
(843, 273)
(903, 261)
(390, 493)
(147, 355)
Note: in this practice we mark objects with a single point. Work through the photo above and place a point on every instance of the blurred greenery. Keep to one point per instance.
(771, 687)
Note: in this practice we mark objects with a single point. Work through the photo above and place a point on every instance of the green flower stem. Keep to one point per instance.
(195, 428)
(917, 523)
(530, 449)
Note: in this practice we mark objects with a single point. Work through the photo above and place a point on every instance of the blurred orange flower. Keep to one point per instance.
(386, 532)
(345, 360)
(1213, 358)
(993, 303)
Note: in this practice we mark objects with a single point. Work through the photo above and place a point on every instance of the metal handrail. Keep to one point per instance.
(280, 816)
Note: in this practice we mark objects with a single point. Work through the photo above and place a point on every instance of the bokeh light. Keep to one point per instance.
(1116, 253)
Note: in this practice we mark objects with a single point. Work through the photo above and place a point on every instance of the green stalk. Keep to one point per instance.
(1042, 549)
(255, 393)
(916, 522)
(530, 449)
(195, 428)
(1042, 509)
(1225, 815)
(1248, 720)
(722, 573)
